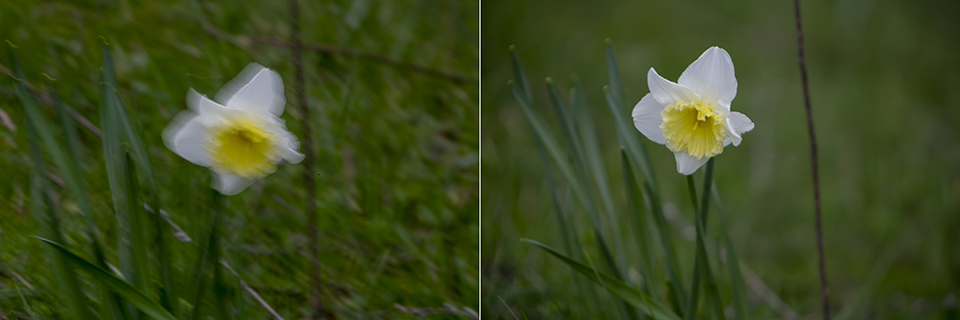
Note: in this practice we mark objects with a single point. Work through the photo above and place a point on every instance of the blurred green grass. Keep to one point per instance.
(395, 94)
(883, 83)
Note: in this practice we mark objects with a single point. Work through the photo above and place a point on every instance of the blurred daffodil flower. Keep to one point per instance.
(241, 140)
(692, 117)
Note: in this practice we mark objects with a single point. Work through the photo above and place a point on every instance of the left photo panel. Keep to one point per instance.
(292, 159)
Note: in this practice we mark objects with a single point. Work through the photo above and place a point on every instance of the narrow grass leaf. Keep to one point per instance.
(595, 297)
(521, 76)
(128, 134)
(70, 171)
(125, 290)
(878, 272)
(138, 230)
(132, 139)
(575, 173)
(626, 132)
(628, 137)
(738, 292)
(592, 155)
(33, 316)
(508, 308)
(561, 160)
(613, 73)
(642, 237)
(117, 167)
(577, 157)
(203, 257)
(616, 287)
(43, 206)
(567, 232)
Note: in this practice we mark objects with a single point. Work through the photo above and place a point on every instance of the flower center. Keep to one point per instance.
(693, 128)
(242, 148)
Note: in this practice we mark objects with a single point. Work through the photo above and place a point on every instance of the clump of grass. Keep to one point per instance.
(655, 297)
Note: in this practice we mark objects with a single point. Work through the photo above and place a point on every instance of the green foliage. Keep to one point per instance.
(618, 288)
(586, 183)
(395, 112)
(129, 293)
(43, 206)
(886, 124)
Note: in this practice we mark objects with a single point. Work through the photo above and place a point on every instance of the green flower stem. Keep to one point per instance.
(701, 261)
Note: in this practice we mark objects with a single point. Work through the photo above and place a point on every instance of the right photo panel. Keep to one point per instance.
(698, 159)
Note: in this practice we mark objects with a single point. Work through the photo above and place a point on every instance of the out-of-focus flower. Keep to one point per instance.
(692, 117)
(241, 140)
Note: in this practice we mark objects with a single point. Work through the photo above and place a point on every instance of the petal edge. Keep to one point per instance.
(647, 118)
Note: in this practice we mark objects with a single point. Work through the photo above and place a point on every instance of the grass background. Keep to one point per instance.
(884, 78)
(394, 93)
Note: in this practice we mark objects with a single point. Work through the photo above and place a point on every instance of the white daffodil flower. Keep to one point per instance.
(241, 140)
(692, 117)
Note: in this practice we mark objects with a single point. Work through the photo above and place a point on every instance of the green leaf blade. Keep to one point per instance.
(43, 206)
(129, 294)
(616, 287)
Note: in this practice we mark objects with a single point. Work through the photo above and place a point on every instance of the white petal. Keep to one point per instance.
(189, 138)
(666, 92)
(686, 164)
(229, 184)
(289, 149)
(255, 89)
(203, 106)
(712, 76)
(737, 125)
(288, 143)
(740, 122)
(647, 118)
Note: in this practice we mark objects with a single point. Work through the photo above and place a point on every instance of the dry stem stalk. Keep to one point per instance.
(308, 170)
(824, 292)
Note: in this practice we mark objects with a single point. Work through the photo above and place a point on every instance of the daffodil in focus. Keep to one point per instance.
(241, 138)
(692, 117)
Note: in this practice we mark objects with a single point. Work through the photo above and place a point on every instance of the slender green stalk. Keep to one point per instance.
(220, 290)
(693, 193)
(701, 260)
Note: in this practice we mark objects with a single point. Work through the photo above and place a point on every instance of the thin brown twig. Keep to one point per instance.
(251, 291)
(447, 309)
(766, 294)
(185, 238)
(801, 59)
(245, 41)
(45, 98)
(316, 302)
